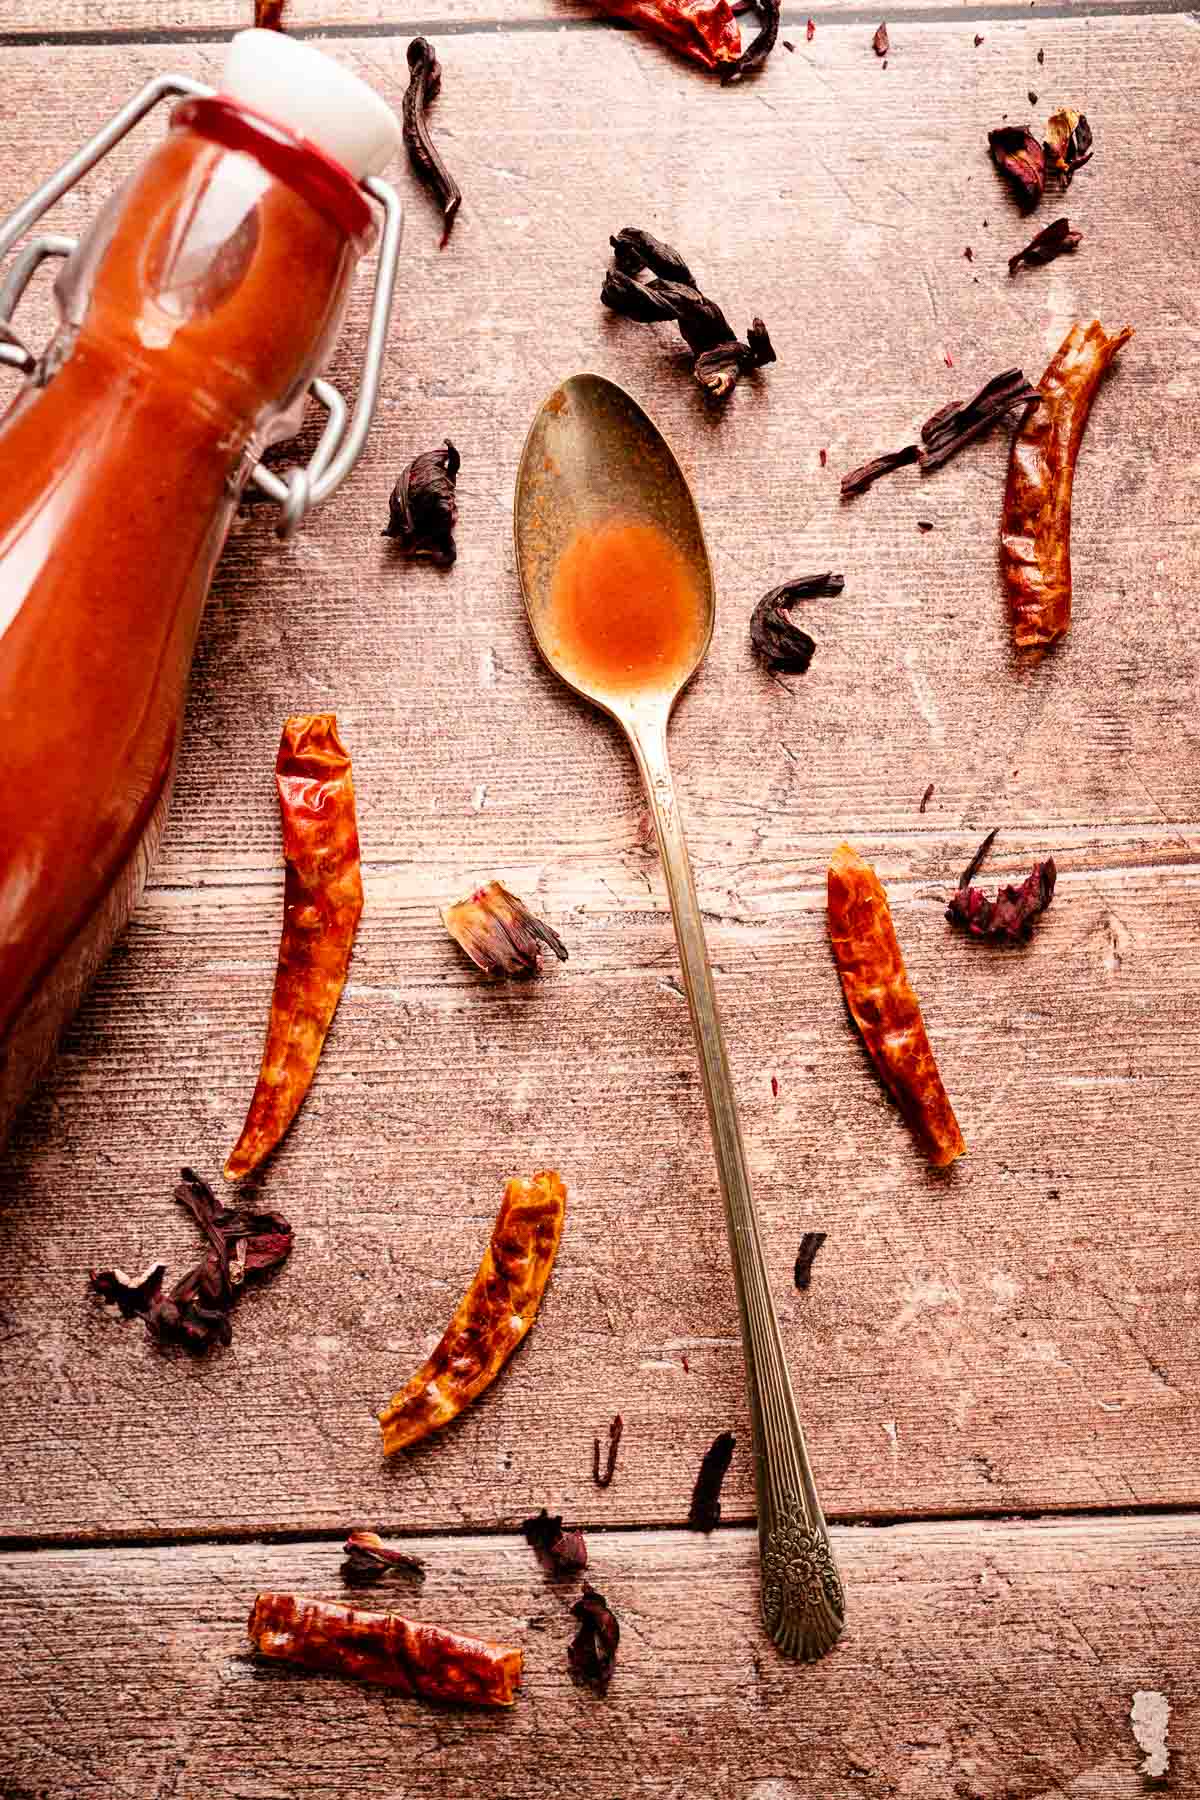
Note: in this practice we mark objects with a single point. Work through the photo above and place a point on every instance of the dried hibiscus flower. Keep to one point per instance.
(635, 250)
(717, 370)
(810, 1243)
(499, 933)
(1068, 144)
(634, 299)
(1011, 916)
(780, 643)
(424, 86)
(1019, 156)
(858, 480)
(322, 904)
(704, 1513)
(368, 1560)
(196, 1311)
(423, 508)
(133, 1294)
(948, 430)
(492, 1318)
(593, 1649)
(565, 1551)
(268, 15)
(720, 358)
(1055, 240)
(954, 426)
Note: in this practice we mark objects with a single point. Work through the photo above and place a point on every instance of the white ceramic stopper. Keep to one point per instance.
(313, 96)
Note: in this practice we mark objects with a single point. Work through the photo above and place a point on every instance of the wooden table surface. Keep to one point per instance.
(998, 1367)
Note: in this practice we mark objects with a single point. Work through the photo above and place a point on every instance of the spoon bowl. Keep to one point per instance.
(594, 459)
(619, 591)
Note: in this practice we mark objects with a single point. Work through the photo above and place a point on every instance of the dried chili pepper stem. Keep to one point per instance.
(322, 903)
(1035, 525)
(424, 86)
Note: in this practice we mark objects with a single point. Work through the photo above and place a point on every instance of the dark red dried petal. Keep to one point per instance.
(635, 250)
(1011, 916)
(705, 1510)
(566, 1551)
(861, 478)
(368, 1560)
(593, 1649)
(423, 508)
(1056, 240)
(134, 1294)
(1019, 156)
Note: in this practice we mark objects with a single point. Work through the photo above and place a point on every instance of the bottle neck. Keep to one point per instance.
(221, 269)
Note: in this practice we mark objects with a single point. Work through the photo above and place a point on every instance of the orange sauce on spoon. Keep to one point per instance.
(625, 613)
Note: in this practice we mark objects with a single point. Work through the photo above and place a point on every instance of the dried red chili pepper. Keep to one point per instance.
(1035, 525)
(880, 43)
(884, 1006)
(705, 30)
(494, 1315)
(268, 15)
(322, 901)
(386, 1648)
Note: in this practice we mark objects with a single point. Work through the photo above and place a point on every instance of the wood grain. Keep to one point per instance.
(34, 19)
(992, 1661)
(1020, 1335)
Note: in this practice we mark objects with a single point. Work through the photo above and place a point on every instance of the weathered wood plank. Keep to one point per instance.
(998, 1662)
(97, 18)
(1018, 1335)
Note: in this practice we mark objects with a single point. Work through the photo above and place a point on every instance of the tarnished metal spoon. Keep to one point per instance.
(594, 461)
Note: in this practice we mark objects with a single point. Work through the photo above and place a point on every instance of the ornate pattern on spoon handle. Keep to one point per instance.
(802, 1600)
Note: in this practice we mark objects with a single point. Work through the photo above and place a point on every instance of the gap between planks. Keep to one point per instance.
(990, 14)
(26, 1545)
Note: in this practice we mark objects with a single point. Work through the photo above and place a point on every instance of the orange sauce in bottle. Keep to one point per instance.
(196, 310)
(624, 611)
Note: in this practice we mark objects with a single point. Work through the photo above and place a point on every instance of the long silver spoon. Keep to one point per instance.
(593, 460)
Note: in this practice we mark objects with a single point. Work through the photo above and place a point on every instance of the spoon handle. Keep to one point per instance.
(802, 1601)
